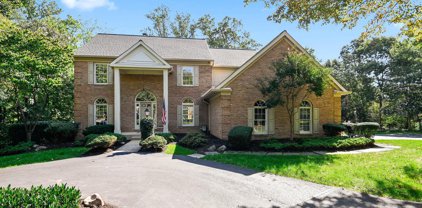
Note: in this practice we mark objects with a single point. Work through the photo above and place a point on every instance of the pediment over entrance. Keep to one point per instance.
(140, 56)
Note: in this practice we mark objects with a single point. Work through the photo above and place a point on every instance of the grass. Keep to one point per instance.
(394, 174)
(398, 132)
(174, 149)
(41, 156)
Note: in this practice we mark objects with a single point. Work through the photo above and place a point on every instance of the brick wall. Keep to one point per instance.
(245, 94)
(131, 85)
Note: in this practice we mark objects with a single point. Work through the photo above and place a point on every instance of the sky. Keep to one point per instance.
(128, 17)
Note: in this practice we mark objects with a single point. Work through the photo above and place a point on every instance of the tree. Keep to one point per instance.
(228, 33)
(406, 13)
(160, 19)
(355, 107)
(295, 78)
(373, 59)
(36, 68)
(405, 88)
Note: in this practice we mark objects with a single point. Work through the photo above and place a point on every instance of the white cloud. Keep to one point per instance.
(89, 4)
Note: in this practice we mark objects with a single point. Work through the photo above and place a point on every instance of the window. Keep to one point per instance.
(305, 117)
(101, 75)
(100, 111)
(187, 76)
(187, 112)
(260, 117)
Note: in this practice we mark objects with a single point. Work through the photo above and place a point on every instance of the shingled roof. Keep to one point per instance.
(113, 45)
(230, 57)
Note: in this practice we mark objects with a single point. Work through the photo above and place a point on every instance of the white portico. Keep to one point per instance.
(139, 59)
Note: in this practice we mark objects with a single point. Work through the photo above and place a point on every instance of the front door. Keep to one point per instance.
(145, 109)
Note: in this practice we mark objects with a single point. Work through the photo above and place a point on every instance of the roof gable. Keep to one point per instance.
(140, 55)
(263, 51)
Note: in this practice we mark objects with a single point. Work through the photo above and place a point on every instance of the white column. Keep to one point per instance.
(117, 101)
(166, 97)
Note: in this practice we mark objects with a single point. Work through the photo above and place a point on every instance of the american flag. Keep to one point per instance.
(163, 116)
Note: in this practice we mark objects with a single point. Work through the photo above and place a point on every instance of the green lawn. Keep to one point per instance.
(41, 156)
(394, 174)
(398, 132)
(174, 149)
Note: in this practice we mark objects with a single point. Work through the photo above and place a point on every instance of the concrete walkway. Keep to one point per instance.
(398, 137)
(128, 179)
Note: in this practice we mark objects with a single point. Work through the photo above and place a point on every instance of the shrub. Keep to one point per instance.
(240, 137)
(101, 142)
(327, 143)
(366, 129)
(4, 138)
(147, 126)
(153, 142)
(15, 149)
(349, 127)
(45, 131)
(61, 132)
(17, 133)
(98, 129)
(120, 137)
(56, 196)
(331, 129)
(193, 140)
(168, 136)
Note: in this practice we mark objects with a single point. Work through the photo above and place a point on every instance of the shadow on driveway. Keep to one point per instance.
(216, 165)
(352, 199)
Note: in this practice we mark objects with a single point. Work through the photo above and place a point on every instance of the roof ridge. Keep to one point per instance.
(239, 49)
(149, 36)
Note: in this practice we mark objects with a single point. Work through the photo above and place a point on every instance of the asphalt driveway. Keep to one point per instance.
(158, 180)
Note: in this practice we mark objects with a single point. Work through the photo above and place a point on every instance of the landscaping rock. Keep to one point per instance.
(212, 148)
(38, 148)
(222, 148)
(94, 200)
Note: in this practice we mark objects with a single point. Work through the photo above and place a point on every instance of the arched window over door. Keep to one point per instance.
(305, 116)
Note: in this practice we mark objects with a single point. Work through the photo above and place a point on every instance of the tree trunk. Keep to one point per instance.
(380, 111)
(28, 136)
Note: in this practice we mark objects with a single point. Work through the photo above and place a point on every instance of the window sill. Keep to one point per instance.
(100, 84)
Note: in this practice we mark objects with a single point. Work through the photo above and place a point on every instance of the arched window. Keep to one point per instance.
(100, 111)
(305, 116)
(260, 117)
(187, 112)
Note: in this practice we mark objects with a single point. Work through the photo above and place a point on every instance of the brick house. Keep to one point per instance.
(120, 79)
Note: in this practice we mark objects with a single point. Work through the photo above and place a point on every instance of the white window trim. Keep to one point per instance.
(193, 113)
(95, 74)
(95, 110)
(266, 120)
(310, 119)
(193, 76)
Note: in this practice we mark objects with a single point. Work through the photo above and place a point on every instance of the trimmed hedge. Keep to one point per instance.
(240, 137)
(193, 140)
(168, 136)
(98, 129)
(83, 141)
(154, 143)
(101, 142)
(45, 132)
(366, 129)
(147, 127)
(327, 143)
(56, 196)
(331, 129)
(15, 149)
